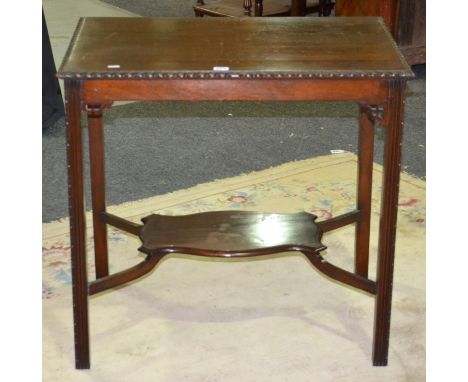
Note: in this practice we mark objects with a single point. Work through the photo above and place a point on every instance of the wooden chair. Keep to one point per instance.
(271, 8)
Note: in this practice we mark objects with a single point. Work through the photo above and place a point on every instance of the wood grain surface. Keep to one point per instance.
(133, 46)
(230, 233)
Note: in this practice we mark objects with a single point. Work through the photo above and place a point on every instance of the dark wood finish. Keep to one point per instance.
(146, 266)
(299, 7)
(336, 47)
(125, 276)
(340, 274)
(406, 20)
(231, 234)
(234, 234)
(77, 223)
(283, 89)
(324, 225)
(123, 224)
(387, 9)
(388, 221)
(315, 59)
(258, 8)
(98, 193)
(412, 30)
(364, 191)
(338, 221)
(357, 8)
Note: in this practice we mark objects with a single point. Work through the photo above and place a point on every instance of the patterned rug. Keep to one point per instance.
(265, 319)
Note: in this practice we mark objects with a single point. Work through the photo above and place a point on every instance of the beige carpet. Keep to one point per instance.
(270, 319)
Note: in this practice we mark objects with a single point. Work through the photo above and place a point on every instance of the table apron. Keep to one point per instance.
(108, 90)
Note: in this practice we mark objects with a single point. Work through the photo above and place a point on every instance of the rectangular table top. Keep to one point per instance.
(211, 47)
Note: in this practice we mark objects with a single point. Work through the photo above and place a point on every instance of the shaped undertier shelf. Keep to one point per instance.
(231, 234)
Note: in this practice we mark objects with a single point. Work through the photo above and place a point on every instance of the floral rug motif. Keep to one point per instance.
(324, 186)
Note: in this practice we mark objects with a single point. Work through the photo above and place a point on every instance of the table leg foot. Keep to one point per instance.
(380, 362)
(83, 364)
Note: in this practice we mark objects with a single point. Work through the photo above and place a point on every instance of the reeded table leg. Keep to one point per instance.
(388, 220)
(97, 170)
(364, 191)
(77, 223)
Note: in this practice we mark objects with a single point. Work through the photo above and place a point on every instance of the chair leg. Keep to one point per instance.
(247, 4)
(258, 8)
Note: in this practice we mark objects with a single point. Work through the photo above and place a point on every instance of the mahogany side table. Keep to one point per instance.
(258, 59)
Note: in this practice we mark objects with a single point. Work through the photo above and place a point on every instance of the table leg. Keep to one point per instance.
(364, 191)
(97, 170)
(77, 223)
(388, 220)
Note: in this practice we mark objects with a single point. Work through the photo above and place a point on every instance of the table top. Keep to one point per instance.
(210, 47)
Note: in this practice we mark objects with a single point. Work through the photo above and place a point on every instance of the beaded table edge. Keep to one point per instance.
(233, 75)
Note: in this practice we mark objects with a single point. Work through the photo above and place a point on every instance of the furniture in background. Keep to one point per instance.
(406, 19)
(189, 59)
(267, 8)
(411, 35)
(52, 102)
